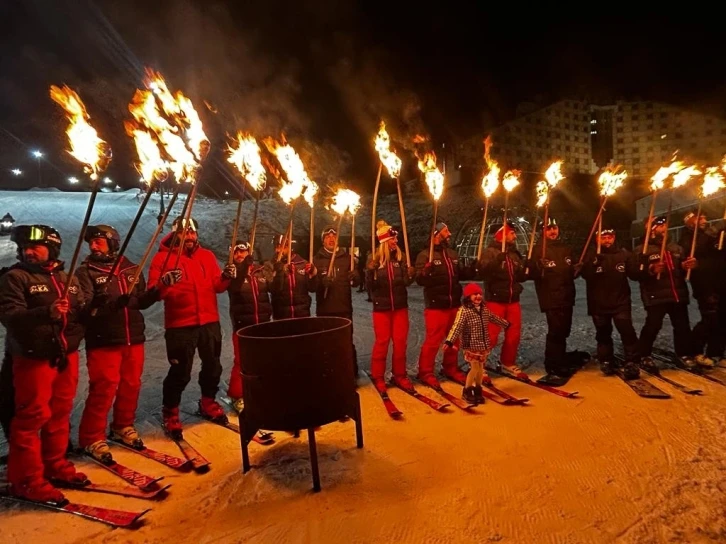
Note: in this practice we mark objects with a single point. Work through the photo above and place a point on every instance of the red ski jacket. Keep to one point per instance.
(192, 301)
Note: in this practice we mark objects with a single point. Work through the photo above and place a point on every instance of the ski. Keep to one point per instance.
(431, 403)
(453, 399)
(169, 460)
(643, 388)
(669, 359)
(528, 381)
(129, 492)
(393, 412)
(262, 437)
(114, 518)
(265, 437)
(685, 389)
(198, 462)
(142, 481)
(492, 397)
(505, 395)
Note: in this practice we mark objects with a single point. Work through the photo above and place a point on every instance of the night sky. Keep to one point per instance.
(325, 73)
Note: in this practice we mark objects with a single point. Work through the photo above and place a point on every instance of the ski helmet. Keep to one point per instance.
(551, 222)
(26, 235)
(241, 246)
(106, 232)
(329, 229)
(179, 223)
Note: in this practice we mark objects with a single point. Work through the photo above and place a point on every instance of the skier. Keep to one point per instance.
(708, 286)
(249, 304)
(554, 282)
(43, 334)
(333, 293)
(388, 278)
(503, 275)
(114, 344)
(442, 298)
(191, 319)
(472, 324)
(608, 302)
(291, 284)
(667, 294)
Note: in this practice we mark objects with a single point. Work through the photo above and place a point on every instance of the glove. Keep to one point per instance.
(577, 268)
(656, 268)
(411, 271)
(230, 271)
(122, 301)
(59, 308)
(310, 270)
(248, 261)
(352, 275)
(100, 300)
(689, 263)
(449, 345)
(328, 282)
(171, 277)
(428, 269)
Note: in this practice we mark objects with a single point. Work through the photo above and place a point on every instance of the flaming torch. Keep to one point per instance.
(246, 158)
(297, 180)
(393, 164)
(712, 182)
(344, 200)
(657, 184)
(542, 189)
(435, 182)
(509, 182)
(609, 182)
(721, 236)
(680, 178)
(553, 175)
(489, 185)
(152, 168)
(88, 149)
(309, 195)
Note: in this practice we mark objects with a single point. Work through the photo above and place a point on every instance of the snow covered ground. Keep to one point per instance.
(607, 467)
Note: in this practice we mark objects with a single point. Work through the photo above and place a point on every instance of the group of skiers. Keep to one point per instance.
(47, 318)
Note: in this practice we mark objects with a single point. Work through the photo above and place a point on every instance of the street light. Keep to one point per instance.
(17, 171)
(38, 155)
(73, 180)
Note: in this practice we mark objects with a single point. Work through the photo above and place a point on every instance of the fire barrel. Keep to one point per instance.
(297, 374)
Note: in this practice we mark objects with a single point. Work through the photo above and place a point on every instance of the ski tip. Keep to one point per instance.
(202, 469)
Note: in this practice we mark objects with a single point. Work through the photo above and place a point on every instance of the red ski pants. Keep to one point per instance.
(43, 403)
(512, 312)
(234, 391)
(114, 372)
(389, 326)
(438, 324)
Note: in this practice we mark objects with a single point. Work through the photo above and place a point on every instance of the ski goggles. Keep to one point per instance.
(330, 230)
(389, 235)
(242, 246)
(607, 232)
(35, 234)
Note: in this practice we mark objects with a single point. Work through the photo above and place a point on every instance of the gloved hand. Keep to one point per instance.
(689, 263)
(171, 277)
(656, 268)
(311, 270)
(248, 261)
(230, 272)
(328, 281)
(577, 267)
(122, 301)
(100, 300)
(411, 271)
(428, 269)
(59, 308)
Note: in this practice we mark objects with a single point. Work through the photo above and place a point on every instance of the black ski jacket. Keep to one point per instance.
(608, 287)
(249, 296)
(671, 287)
(441, 280)
(554, 276)
(291, 291)
(339, 299)
(502, 273)
(388, 285)
(709, 277)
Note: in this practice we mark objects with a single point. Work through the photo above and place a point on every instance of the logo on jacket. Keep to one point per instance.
(568, 261)
(620, 267)
(654, 257)
(73, 290)
(598, 270)
(549, 264)
(437, 262)
(300, 271)
(101, 279)
(38, 288)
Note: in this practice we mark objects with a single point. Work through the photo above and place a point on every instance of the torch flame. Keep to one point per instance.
(151, 166)
(246, 158)
(610, 181)
(294, 170)
(553, 175)
(713, 181)
(196, 137)
(345, 200)
(511, 180)
(389, 159)
(542, 190)
(681, 177)
(310, 191)
(86, 147)
(490, 182)
(433, 176)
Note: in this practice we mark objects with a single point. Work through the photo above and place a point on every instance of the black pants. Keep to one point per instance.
(559, 324)
(347, 315)
(709, 334)
(7, 395)
(604, 335)
(682, 335)
(181, 344)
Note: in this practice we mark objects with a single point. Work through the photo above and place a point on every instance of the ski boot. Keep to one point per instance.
(430, 380)
(39, 491)
(631, 371)
(515, 372)
(211, 410)
(479, 394)
(238, 405)
(486, 379)
(608, 367)
(128, 436)
(402, 381)
(455, 374)
(704, 362)
(648, 364)
(379, 384)
(100, 452)
(469, 395)
(171, 422)
(687, 363)
(65, 471)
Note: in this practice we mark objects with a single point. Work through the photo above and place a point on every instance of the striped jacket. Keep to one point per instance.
(472, 326)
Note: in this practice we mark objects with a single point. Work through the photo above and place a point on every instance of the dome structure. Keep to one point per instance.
(467, 239)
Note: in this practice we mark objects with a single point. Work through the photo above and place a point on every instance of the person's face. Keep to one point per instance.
(607, 239)
(329, 241)
(99, 246)
(191, 240)
(511, 236)
(240, 255)
(443, 236)
(702, 221)
(393, 243)
(36, 254)
(476, 299)
(552, 232)
(659, 230)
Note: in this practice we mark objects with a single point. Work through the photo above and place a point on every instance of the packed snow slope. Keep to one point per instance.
(606, 467)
